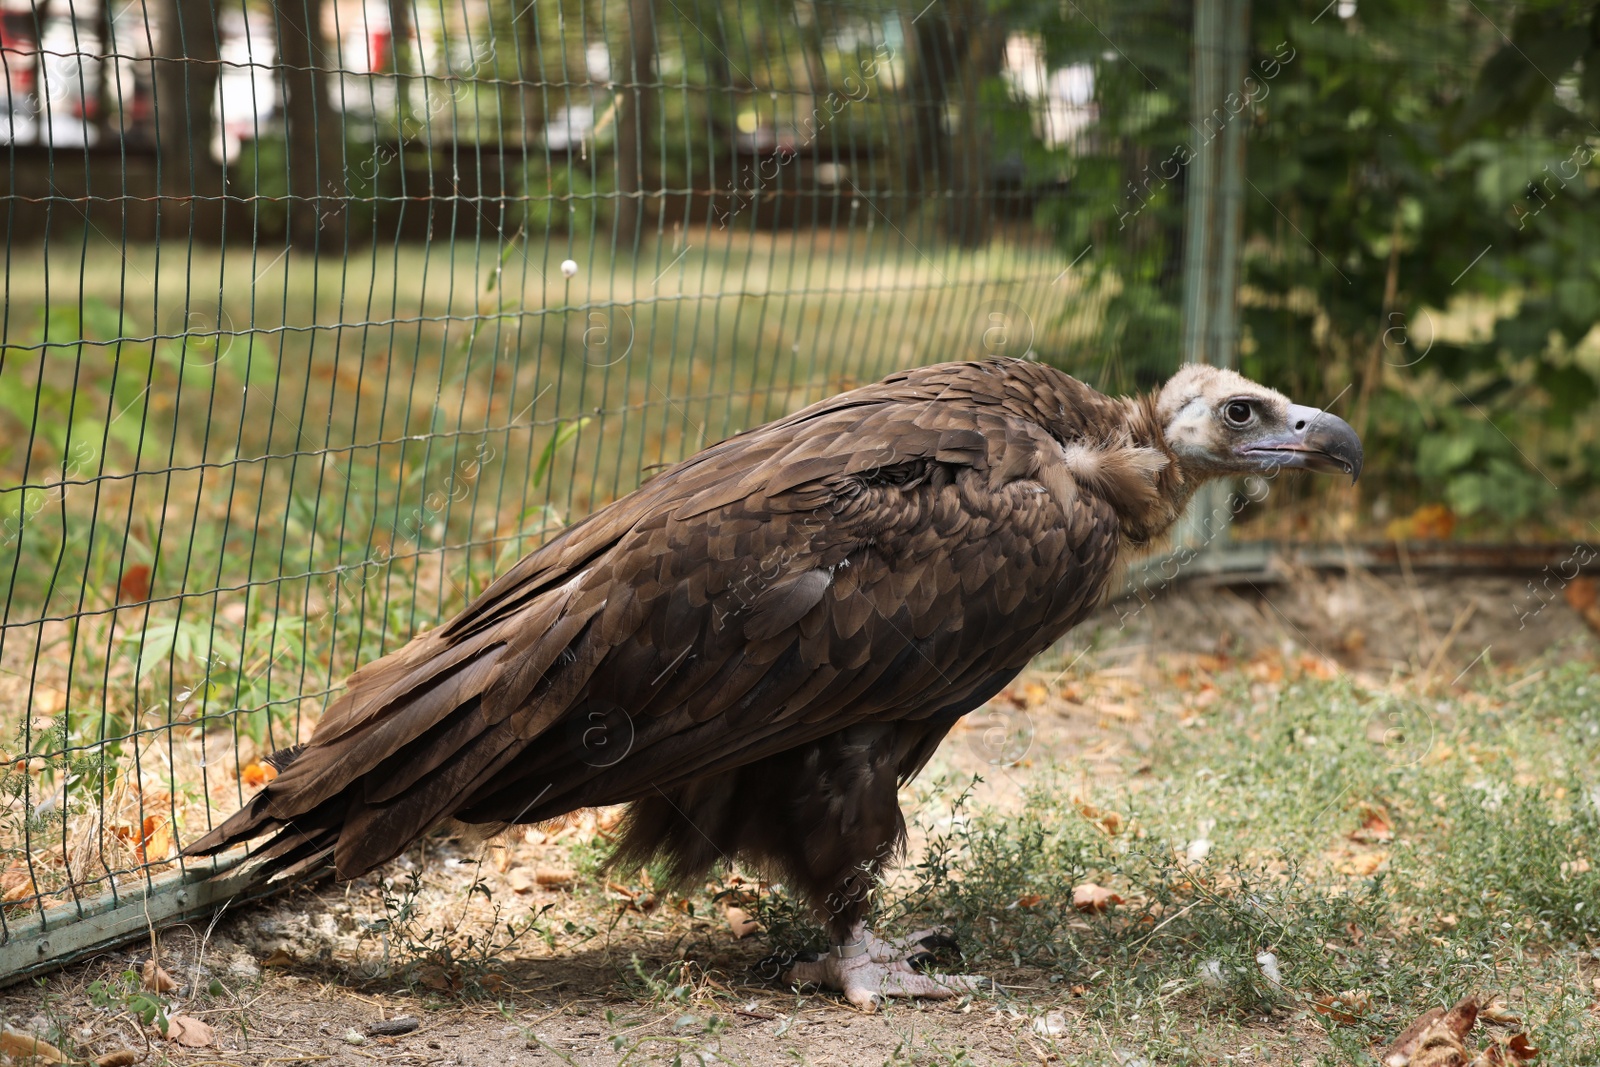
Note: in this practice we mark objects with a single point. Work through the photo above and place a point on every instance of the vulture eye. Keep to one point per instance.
(1238, 413)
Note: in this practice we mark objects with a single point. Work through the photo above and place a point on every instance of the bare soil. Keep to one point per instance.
(300, 979)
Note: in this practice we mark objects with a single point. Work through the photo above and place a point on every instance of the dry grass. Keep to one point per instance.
(1411, 875)
(226, 480)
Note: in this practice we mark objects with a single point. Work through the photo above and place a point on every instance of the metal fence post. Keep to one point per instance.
(1213, 213)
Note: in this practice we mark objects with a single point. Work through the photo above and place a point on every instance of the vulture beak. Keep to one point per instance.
(1315, 440)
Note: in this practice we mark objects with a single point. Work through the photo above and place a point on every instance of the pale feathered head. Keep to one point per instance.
(1218, 422)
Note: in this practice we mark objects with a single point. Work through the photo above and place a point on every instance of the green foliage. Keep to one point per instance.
(447, 960)
(126, 992)
(562, 435)
(1410, 168)
(1488, 883)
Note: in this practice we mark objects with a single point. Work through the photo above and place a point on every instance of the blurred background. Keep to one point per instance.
(318, 313)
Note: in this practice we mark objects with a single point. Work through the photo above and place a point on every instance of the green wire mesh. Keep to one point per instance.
(319, 314)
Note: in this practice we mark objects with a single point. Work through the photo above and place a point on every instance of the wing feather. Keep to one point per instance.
(884, 554)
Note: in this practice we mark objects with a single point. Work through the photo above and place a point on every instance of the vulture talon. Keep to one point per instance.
(758, 646)
(880, 968)
(922, 943)
(775, 964)
(867, 983)
(935, 939)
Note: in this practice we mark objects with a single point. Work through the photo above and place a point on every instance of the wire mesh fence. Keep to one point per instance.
(318, 314)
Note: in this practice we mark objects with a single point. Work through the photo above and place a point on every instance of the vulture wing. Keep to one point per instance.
(897, 552)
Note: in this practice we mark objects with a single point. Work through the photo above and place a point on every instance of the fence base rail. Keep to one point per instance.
(65, 933)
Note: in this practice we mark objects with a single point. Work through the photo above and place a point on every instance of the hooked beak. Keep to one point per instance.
(1315, 440)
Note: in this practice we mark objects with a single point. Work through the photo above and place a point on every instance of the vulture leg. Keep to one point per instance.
(844, 826)
(823, 818)
(869, 969)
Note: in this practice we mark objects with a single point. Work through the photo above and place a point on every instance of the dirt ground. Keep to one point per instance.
(301, 978)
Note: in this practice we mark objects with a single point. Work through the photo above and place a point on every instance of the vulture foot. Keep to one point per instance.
(870, 969)
(916, 949)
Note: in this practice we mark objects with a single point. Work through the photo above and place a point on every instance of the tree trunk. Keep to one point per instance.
(971, 214)
(105, 131)
(930, 66)
(316, 138)
(634, 123)
(400, 63)
(530, 63)
(186, 90)
(41, 107)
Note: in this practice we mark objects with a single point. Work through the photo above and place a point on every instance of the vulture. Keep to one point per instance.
(758, 646)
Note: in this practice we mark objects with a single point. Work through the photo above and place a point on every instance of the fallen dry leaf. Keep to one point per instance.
(1109, 822)
(1028, 900)
(1435, 1038)
(1497, 1011)
(1507, 1051)
(156, 979)
(1347, 1007)
(16, 884)
(1431, 522)
(554, 876)
(135, 584)
(154, 842)
(25, 1048)
(739, 921)
(188, 1031)
(1410, 1039)
(1521, 1048)
(123, 1057)
(1363, 864)
(280, 957)
(256, 775)
(1094, 898)
(1583, 594)
(1319, 667)
(1375, 825)
(436, 977)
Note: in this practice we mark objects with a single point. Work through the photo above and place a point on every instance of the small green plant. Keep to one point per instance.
(444, 960)
(126, 992)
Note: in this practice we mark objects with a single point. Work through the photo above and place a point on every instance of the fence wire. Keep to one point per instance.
(320, 313)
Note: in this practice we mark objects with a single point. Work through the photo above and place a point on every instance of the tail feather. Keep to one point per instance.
(281, 759)
(416, 732)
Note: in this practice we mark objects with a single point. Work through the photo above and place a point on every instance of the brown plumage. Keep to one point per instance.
(759, 645)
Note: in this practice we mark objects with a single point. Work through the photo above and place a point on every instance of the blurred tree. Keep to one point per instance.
(635, 123)
(315, 133)
(401, 62)
(186, 72)
(979, 47)
(1419, 245)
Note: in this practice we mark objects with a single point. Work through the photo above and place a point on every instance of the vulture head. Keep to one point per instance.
(1216, 423)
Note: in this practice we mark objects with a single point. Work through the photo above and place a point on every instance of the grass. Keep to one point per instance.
(226, 480)
(1262, 803)
(1458, 860)
(260, 509)
(1385, 874)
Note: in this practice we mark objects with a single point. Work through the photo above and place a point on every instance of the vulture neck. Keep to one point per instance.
(1115, 448)
(1165, 488)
